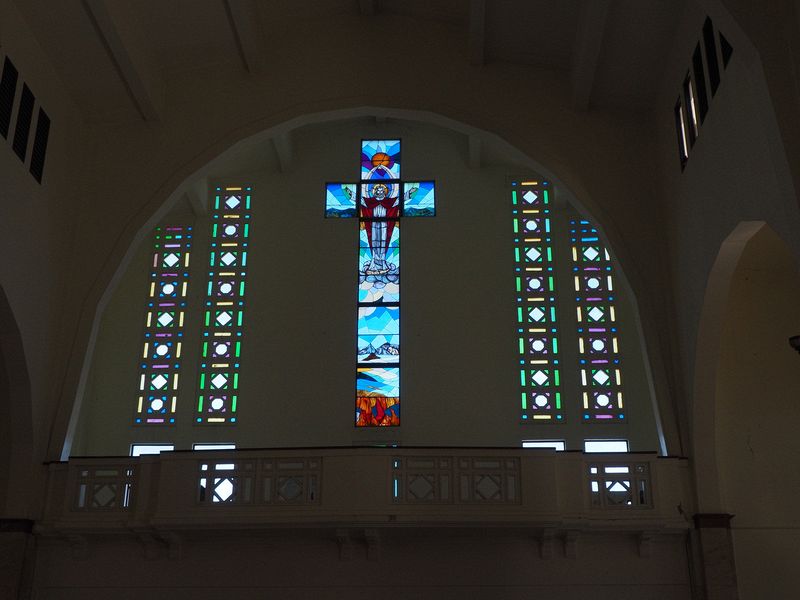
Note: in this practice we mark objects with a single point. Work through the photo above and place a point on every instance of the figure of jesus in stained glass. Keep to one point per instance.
(378, 202)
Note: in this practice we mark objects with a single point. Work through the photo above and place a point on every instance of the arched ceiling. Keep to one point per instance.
(116, 58)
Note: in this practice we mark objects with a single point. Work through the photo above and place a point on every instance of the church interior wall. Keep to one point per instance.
(297, 365)
(408, 563)
(731, 175)
(758, 383)
(35, 238)
(737, 171)
(110, 177)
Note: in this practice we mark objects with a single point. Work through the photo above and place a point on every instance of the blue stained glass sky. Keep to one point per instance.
(336, 198)
(378, 320)
(379, 381)
(422, 198)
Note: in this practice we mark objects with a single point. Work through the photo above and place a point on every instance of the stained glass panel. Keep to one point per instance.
(378, 340)
(419, 199)
(340, 200)
(379, 263)
(378, 396)
(379, 212)
(540, 375)
(380, 159)
(598, 335)
(224, 314)
(159, 370)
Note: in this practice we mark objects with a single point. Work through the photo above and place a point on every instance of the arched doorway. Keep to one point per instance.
(746, 405)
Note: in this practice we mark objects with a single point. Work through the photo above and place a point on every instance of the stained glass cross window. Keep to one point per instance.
(379, 200)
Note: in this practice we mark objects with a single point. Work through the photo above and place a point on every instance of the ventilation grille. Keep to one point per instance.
(8, 87)
(693, 103)
(26, 108)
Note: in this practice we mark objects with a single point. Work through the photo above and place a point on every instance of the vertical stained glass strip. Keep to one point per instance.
(598, 335)
(378, 347)
(224, 310)
(159, 375)
(537, 323)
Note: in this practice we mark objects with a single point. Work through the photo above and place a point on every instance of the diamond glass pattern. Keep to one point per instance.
(536, 303)
(224, 306)
(598, 345)
(163, 334)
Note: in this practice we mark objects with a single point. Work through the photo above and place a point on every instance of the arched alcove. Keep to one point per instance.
(256, 159)
(746, 405)
(15, 418)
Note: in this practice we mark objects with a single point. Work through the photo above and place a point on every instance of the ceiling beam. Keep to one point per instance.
(131, 69)
(477, 32)
(283, 148)
(243, 17)
(586, 50)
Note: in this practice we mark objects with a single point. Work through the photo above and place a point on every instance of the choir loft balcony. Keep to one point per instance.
(561, 494)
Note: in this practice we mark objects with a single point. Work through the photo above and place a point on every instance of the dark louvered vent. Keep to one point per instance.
(22, 129)
(40, 145)
(8, 87)
(700, 82)
(693, 104)
(24, 117)
(711, 55)
(726, 48)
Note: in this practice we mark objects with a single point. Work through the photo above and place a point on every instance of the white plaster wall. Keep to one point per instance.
(758, 384)
(36, 230)
(736, 172)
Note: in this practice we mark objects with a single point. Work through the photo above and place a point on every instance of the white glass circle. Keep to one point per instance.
(225, 288)
(537, 345)
(157, 404)
(535, 283)
(220, 349)
(168, 288)
(162, 349)
(540, 400)
(603, 400)
(217, 403)
(230, 229)
(531, 225)
(593, 283)
(598, 345)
